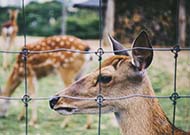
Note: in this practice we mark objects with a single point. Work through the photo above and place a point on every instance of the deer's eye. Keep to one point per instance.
(104, 79)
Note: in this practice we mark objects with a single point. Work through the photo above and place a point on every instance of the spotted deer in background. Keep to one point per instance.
(121, 75)
(66, 64)
(9, 32)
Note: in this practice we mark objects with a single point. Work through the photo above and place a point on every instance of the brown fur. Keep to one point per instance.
(139, 116)
(66, 64)
(121, 75)
(136, 116)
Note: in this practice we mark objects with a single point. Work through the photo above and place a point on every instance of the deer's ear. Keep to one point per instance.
(117, 47)
(142, 58)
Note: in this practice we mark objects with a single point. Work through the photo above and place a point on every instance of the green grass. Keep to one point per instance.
(162, 77)
(49, 122)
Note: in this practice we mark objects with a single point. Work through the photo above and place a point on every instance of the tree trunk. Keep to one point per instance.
(182, 23)
(64, 17)
(109, 21)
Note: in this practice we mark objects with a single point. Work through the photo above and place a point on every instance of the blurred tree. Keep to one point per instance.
(182, 23)
(109, 21)
(64, 17)
(157, 17)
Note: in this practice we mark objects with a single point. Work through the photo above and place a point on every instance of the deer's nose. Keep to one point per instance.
(53, 101)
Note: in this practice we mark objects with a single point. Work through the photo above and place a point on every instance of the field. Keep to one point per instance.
(50, 123)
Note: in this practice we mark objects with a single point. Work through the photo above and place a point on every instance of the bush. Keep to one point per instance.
(38, 19)
(83, 25)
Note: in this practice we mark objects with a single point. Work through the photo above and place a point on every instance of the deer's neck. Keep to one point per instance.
(141, 120)
(144, 117)
(13, 19)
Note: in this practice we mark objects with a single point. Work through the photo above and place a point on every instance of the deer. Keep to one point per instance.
(121, 75)
(9, 32)
(66, 64)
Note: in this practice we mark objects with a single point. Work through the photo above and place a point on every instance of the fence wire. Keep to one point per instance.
(100, 98)
(99, 53)
(172, 49)
(104, 98)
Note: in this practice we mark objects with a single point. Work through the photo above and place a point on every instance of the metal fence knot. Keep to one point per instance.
(99, 99)
(174, 97)
(99, 53)
(175, 50)
(26, 99)
(25, 53)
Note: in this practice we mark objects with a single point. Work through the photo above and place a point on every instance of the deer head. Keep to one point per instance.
(13, 14)
(121, 75)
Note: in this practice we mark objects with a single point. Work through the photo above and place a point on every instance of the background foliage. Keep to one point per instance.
(44, 19)
(158, 17)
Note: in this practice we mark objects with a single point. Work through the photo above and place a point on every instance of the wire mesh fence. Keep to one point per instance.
(26, 98)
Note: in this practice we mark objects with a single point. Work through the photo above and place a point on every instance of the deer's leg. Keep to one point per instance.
(32, 92)
(21, 115)
(5, 64)
(32, 86)
(4, 47)
(12, 41)
(88, 122)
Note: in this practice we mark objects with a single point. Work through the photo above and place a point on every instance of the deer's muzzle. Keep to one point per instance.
(53, 101)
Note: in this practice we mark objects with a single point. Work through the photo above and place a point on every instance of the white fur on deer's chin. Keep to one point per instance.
(104, 109)
(65, 112)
